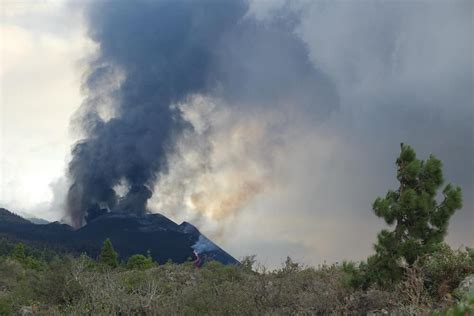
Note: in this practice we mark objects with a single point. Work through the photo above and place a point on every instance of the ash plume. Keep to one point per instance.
(222, 164)
(153, 55)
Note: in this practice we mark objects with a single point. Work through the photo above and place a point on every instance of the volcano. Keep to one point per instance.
(130, 234)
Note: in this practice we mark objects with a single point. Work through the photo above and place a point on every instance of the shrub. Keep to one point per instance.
(446, 268)
(5, 307)
(463, 307)
(69, 285)
(139, 262)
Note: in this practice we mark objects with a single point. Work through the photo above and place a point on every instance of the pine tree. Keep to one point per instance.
(18, 252)
(108, 256)
(420, 222)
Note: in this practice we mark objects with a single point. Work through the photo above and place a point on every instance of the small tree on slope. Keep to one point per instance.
(18, 253)
(108, 256)
(420, 222)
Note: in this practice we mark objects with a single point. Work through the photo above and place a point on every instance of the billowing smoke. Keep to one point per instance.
(221, 164)
(203, 245)
(154, 58)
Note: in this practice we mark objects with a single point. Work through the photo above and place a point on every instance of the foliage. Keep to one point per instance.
(108, 256)
(38, 253)
(139, 262)
(79, 285)
(464, 307)
(248, 262)
(420, 222)
(446, 268)
(18, 252)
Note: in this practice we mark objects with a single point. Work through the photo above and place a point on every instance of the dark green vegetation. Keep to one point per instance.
(108, 256)
(412, 271)
(420, 222)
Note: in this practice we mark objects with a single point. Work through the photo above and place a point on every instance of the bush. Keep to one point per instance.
(5, 307)
(139, 262)
(446, 268)
(69, 285)
(463, 307)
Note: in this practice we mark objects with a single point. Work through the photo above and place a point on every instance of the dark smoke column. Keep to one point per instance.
(164, 51)
(155, 53)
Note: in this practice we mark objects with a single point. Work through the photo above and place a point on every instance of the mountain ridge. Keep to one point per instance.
(130, 234)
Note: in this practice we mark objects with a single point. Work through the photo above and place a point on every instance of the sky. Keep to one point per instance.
(271, 181)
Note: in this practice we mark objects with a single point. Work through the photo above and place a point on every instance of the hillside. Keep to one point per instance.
(8, 217)
(131, 234)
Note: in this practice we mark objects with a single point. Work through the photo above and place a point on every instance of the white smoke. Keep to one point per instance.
(203, 245)
(219, 166)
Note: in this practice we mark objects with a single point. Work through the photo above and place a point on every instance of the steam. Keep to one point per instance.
(203, 245)
(221, 164)
(153, 59)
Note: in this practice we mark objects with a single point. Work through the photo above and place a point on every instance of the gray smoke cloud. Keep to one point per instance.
(155, 54)
(273, 125)
(403, 72)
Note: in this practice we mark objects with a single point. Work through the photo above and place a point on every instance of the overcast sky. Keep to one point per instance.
(402, 72)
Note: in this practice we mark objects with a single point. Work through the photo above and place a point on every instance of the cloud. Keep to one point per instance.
(39, 93)
(403, 73)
